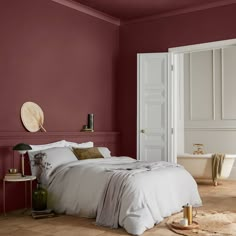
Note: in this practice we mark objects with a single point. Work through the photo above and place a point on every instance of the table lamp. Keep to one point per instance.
(22, 148)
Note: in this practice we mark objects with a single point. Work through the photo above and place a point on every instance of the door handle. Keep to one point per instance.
(143, 131)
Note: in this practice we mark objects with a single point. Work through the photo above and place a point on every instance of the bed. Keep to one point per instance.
(144, 195)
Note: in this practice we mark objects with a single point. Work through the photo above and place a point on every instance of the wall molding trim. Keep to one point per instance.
(223, 93)
(210, 129)
(181, 11)
(88, 10)
(100, 139)
(222, 85)
(212, 116)
(203, 46)
(213, 85)
(100, 15)
(10, 138)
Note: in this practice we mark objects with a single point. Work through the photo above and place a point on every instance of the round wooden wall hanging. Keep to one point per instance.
(32, 117)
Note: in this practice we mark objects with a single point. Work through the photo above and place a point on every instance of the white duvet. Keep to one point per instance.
(77, 187)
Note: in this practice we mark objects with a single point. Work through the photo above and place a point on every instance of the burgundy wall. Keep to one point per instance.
(66, 61)
(157, 36)
(60, 58)
(63, 60)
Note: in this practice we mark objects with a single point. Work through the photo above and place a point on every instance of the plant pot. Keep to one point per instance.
(39, 198)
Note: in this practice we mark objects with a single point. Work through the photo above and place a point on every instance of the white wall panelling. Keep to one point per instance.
(228, 83)
(210, 100)
(210, 92)
(201, 85)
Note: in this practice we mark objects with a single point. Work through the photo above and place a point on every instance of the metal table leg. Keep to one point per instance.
(31, 194)
(25, 195)
(4, 198)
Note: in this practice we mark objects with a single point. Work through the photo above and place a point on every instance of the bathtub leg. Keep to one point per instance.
(215, 183)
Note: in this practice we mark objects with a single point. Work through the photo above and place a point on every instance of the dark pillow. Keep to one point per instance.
(87, 153)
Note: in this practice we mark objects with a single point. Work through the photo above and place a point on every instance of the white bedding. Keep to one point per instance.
(76, 188)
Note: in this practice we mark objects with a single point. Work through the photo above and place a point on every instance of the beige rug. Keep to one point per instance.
(210, 223)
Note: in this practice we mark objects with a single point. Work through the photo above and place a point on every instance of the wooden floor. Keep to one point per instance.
(222, 197)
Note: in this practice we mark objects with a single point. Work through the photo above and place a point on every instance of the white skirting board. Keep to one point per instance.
(233, 173)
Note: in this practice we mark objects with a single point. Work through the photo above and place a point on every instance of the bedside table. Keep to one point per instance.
(25, 179)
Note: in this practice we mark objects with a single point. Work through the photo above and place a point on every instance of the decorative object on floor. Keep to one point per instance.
(32, 117)
(198, 148)
(39, 196)
(22, 148)
(43, 214)
(209, 223)
(188, 213)
(178, 225)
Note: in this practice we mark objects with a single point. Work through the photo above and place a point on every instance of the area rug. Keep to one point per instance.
(210, 223)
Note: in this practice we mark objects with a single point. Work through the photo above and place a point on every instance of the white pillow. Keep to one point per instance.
(79, 145)
(104, 151)
(55, 157)
(61, 143)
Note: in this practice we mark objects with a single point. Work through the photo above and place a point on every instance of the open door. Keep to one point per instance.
(153, 102)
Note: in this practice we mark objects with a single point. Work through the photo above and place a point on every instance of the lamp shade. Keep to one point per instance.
(22, 147)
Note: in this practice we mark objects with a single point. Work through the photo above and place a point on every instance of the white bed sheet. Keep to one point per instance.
(77, 187)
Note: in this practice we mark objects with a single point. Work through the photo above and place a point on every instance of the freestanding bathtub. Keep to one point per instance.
(199, 166)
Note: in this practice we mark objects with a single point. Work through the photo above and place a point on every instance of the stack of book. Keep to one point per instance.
(13, 176)
(43, 214)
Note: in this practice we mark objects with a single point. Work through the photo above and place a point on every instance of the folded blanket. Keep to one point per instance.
(109, 206)
(217, 164)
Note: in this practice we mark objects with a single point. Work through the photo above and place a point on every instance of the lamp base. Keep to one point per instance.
(23, 165)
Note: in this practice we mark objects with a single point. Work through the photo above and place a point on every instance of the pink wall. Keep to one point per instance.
(157, 36)
(61, 59)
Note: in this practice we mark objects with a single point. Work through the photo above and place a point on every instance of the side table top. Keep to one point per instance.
(20, 179)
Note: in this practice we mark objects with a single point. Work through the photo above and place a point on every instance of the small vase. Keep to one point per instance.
(39, 198)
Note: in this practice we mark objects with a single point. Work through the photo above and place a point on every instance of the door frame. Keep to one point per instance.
(175, 74)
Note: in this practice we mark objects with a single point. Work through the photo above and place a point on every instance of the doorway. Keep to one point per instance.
(215, 120)
(175, 103)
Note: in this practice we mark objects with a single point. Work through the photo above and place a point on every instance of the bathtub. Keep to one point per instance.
(199, 166)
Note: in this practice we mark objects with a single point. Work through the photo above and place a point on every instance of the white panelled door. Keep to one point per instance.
(152, 110)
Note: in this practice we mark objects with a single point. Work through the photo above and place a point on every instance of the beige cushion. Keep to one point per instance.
(87, 153)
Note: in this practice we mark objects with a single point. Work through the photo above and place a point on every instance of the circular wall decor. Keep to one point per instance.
(32, 117)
